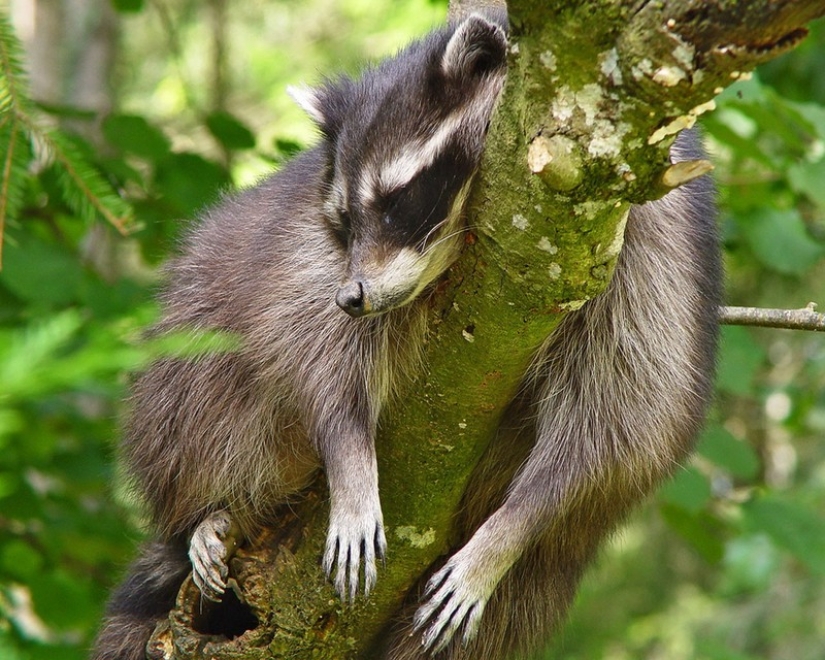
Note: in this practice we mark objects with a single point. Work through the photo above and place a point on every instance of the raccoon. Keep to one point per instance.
(318, 270)
(364, 223)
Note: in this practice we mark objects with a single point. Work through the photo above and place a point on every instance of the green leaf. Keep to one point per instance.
(702, 531)
(11, 421)
(133, 134)
(20, 560)
(230, 131)
(780, 241)
(791, 526)
(55, 651)
(774, 118)
(740, 358)
(743, 147)
(128, 6)
(287, 148)
(735, 456)
(710, 649)
(8, 485)
(751, 561)
(41, 273)
(689, 490)
(110, 300)
(748, 91)
(8, 646)
(814, 114)
(189, 182)
(808, 178)
(20, 502)
(61, 599)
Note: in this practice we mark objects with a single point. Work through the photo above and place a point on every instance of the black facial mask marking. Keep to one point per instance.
(412, 212)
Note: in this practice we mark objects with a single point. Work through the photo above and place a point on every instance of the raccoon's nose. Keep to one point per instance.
(350, 298)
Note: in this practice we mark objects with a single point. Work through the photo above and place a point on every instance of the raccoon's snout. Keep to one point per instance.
(351, 299)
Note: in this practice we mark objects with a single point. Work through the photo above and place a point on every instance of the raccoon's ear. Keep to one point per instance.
(309, 100)
(327, 106)
(477, 47)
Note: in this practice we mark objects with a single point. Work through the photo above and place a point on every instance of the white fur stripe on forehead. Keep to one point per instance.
(417, 156)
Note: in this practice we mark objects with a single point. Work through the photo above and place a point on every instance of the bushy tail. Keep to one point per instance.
(145, 596)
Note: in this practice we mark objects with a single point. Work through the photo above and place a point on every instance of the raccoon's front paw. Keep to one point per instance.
(212, 544)
(457, 596)
(349, 535)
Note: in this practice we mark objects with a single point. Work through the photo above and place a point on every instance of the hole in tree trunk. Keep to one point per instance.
(230, 618)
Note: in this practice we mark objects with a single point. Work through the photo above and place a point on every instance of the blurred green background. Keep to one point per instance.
(170, 102)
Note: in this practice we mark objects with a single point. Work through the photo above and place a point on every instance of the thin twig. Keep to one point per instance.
(792, 319)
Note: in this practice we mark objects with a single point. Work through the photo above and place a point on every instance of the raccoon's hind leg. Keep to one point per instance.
(145, 597)
(212, 545)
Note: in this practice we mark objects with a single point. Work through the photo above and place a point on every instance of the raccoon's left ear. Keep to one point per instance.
(327, 105)
(477, 47)
(309, 100)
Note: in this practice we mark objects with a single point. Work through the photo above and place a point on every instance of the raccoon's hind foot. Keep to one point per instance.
(360, 529)
(458, 593)
(212, 545)
(454, 601)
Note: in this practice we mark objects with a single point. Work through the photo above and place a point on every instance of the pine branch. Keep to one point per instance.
(13, 102)
(13, 81)
(12, 139)
(83, 187)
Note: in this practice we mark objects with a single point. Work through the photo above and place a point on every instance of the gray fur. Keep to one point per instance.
(214, 443)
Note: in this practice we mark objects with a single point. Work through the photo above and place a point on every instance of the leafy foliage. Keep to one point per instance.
(726, 563)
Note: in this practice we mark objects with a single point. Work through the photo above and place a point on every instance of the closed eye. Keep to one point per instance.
(340, 225)
(390, 199)
(346, 221)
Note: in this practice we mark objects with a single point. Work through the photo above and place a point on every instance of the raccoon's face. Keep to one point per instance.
(404, 143)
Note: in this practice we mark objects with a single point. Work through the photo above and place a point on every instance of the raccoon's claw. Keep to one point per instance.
(457, 596)
(350, 540)
(212, 544)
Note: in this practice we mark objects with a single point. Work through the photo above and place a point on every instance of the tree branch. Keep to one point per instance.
(791, 319)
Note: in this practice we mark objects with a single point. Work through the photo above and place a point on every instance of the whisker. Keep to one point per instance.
(441, 239)
(433, 231)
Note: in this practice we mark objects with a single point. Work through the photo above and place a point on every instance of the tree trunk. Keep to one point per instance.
(595, 95)
(71, 47)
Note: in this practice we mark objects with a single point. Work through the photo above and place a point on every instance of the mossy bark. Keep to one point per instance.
(595, 95)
